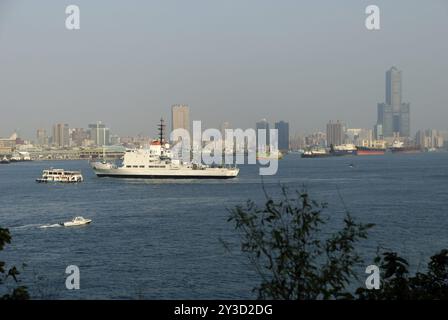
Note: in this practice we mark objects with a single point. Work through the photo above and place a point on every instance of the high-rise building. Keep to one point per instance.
(283, 135)
(79, 135)
(263, 124)
(180, 117)
(99, 134)
(393, 114)
(393, 88)
(317, 139)
(41, 137)
(335, 133)
(61, 137)
(429, 139)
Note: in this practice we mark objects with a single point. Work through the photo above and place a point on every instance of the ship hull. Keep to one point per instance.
(370, 153)
(341, 153)
(309, 156)
(168, 174)
(133, 176)
(405, 150)
(367, 151)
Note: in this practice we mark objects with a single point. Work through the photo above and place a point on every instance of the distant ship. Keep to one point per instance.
(343, 150)
(316, 153)
(368, 151)
(270, 155)
(157, 163)
(406, 150)
(398, 147)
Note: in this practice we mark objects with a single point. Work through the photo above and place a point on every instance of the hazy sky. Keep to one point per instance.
(231, 60)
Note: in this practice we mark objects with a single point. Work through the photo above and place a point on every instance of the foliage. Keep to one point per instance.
(396, 284)
(20, 292)
(294, 257)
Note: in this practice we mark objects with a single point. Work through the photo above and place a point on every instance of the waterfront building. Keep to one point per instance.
(7, 146)
(180, 117)
(335, 133)
(260, 125)
(61, 138)
(78, 136)
(429, 139)
(41, 137)
(283, 135)
(99, 134)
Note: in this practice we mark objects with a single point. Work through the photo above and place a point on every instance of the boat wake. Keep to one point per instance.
(27, 226)
(56, 225)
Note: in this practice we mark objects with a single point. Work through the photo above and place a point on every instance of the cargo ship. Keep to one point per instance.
(343, 150)
(398, 147)
(369, 151)
(406, 150)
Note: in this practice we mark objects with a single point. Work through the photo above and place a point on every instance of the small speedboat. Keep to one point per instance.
(77, 221)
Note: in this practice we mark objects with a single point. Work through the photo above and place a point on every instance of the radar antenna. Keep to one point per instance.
(161, 131)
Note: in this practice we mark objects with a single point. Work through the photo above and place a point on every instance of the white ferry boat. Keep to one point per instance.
(156, 163)
(60, 175)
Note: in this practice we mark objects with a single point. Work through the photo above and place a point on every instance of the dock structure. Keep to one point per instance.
(76, 154)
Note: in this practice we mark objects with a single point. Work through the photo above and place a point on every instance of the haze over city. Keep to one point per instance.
(233, 61)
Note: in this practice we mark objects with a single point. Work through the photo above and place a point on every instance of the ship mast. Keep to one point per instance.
(161, 128)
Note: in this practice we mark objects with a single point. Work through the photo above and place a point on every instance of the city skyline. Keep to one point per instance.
(236, 72)
(393, 101)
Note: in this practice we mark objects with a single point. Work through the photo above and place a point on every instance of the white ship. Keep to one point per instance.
(60, 175)
(156, 162)
(77, 221)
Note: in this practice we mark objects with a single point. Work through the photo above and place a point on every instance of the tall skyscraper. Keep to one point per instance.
(263, 124)
(180, 117)
(283, 135)
(41, 137)
(393, 88)
(61, 136)
(335, 133)
(393, 114)
(99, 134)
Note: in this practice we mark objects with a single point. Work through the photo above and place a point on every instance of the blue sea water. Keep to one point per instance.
(163, 239)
